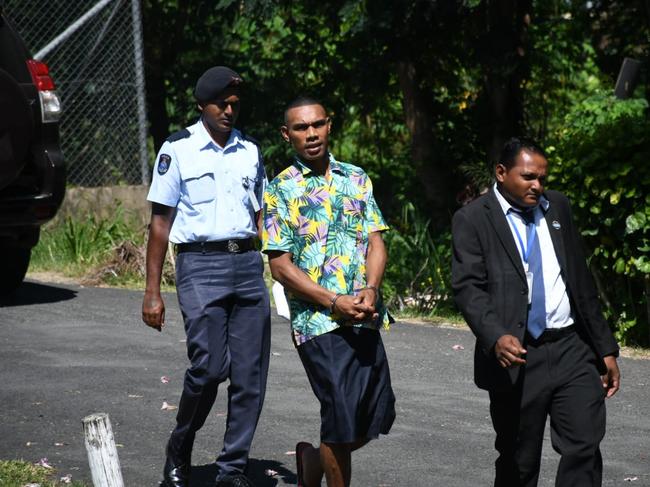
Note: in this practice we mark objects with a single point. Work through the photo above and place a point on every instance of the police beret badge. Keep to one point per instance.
(163, 163)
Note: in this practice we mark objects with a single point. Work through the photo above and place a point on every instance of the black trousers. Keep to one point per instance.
(560, 380)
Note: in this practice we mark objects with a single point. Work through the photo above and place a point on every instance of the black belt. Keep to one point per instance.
(233, 246)
(552, 335)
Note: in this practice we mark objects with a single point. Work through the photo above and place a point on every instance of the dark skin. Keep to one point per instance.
(522, 185)
(307, 128)
(219, 115)
(153, 306)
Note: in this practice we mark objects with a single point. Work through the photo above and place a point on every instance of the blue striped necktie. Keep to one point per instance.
(537, 308)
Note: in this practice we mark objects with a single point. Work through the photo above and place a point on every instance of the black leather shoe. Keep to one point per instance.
(239, 480)
(175, 475)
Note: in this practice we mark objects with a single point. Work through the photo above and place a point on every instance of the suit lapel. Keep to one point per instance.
(555, 230)
(502, 229)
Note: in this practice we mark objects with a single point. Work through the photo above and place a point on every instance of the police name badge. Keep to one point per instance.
(163, 163)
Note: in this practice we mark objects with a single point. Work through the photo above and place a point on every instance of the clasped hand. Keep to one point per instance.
(509, 352)
(359, 308)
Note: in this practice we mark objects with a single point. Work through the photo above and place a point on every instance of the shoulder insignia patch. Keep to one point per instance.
(163, 163)
(181, 134)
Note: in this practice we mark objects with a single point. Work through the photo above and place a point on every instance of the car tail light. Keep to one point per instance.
(50, 103)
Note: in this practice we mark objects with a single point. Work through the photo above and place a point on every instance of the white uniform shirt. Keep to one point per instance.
(558, 306)
(216, 191)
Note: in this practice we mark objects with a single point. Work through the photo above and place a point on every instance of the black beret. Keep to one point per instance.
(214, 81)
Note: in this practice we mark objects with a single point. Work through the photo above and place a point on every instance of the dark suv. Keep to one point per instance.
(32, 170)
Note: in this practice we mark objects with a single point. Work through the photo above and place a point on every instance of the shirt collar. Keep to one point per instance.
(544, 203)
(205, 141)
(335, 166)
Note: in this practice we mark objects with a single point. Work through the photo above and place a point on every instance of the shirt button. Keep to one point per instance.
(520, 324)
(524, 291)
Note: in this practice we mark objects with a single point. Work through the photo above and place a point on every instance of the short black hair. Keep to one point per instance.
(514, 146)
(301, 101)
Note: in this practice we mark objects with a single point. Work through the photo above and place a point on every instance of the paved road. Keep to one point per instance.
(66, 352)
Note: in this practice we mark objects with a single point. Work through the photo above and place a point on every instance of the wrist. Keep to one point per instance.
(333, 302)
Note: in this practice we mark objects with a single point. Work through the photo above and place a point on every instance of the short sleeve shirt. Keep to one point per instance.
(325, 225)
(216, 190)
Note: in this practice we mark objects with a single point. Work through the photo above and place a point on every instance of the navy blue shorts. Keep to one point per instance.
(348, 371)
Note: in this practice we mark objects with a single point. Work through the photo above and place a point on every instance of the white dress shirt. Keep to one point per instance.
(558, 307)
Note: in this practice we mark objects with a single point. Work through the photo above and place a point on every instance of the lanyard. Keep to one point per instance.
(525, 251)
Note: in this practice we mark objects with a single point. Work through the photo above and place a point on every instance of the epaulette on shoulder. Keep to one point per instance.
(181, 134)
(250, 138)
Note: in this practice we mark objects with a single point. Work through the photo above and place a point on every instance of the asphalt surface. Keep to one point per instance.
(68, 351)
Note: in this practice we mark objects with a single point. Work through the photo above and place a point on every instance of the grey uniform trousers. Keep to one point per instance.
(226, 310)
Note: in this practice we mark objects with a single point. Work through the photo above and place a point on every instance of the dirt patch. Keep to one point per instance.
(53, 278)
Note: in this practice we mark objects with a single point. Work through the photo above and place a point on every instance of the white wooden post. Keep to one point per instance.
(102, 454)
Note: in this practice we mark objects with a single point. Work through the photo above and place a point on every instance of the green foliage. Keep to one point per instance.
(17, 473)
(418, 271)
(600, 162)
(83, 243)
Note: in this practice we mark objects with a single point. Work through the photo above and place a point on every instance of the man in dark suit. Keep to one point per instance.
(543, 347)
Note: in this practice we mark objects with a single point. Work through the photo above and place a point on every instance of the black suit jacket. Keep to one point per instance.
(490, 286)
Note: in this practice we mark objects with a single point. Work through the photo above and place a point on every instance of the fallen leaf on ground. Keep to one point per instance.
(66, 479)
(221, 414)
(270, 472)
(32, 485)
(135, 395)
(458, 347)
(58, 443)
(168, 407)
(164, 379)
(43, 462)
(30, 443)
(630, 479)
(276, 354)
(289, 452)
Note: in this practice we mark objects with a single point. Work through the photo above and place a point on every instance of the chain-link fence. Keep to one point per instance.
(94, 51)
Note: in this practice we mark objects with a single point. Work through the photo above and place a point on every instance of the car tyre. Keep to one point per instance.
(13, 267)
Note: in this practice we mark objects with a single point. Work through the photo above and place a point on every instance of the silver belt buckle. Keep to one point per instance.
(233, 246)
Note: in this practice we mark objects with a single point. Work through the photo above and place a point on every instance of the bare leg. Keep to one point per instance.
(335, 461)
(312, 472)
(312, 463)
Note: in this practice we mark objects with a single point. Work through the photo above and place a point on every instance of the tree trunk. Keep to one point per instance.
(503, 56)
(436, 176)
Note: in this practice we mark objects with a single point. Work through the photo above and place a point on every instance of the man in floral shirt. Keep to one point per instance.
(322, 233)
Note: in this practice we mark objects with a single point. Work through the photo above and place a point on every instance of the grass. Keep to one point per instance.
(96, 252)
(18, 473)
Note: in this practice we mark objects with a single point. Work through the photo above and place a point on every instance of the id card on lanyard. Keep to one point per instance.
(525, 253)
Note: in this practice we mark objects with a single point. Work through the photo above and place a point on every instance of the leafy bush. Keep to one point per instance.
(600, 161)
(418, 270)
(84, 241)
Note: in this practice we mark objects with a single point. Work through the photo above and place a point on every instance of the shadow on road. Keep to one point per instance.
(204, 475)
(36, 293)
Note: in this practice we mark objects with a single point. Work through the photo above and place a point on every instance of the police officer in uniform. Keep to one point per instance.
(206, 195)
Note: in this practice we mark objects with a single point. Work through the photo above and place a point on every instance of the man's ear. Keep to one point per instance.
(284, 131)
(500, 172)
(329, 124)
